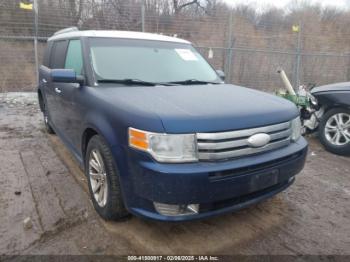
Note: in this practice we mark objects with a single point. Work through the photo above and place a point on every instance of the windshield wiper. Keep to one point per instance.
(193, 82)
(127, 82)
(130, 81)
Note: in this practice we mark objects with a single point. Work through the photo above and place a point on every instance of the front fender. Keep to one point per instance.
(115, 139)
(103, 127)
(333, 99)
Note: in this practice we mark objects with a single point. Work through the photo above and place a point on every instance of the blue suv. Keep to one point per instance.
(158, 132)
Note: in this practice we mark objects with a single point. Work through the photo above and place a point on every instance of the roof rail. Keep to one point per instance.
(66, 30)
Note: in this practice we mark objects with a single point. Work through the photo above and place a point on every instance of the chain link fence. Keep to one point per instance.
(248, 49)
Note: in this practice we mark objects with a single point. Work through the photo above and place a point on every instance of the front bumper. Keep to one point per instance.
(219, 187)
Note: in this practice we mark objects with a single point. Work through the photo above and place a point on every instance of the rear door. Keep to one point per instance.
(69, 92)
(57, 59)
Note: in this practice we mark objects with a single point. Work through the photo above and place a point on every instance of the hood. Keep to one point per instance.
(201, 108)
(344, 86)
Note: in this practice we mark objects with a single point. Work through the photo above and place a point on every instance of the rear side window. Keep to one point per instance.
(46, 57)
(74, 59)
(58, 54)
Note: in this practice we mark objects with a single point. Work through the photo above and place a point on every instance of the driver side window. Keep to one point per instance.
(74, 58)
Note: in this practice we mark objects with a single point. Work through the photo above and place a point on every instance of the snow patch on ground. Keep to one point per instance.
(19, 98)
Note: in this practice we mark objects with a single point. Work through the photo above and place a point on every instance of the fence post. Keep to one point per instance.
(143, 17)
(228, 64)
(298, 58)
(35, 5)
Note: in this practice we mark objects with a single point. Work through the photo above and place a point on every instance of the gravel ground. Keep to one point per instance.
(40, 181)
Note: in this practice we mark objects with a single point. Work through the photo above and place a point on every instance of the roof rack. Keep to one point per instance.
(66, 30)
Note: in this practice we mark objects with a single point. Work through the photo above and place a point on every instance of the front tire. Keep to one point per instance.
(334, 131)
(103, 179)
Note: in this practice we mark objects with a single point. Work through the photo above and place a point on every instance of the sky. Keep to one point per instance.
(262, 4)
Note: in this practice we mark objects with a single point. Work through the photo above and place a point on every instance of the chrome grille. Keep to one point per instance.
(226, 145)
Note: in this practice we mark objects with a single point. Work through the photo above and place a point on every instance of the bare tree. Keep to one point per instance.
(179, 5)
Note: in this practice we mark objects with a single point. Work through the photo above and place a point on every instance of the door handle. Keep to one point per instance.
(57, 90)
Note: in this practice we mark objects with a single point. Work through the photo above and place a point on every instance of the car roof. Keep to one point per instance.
(115, 34)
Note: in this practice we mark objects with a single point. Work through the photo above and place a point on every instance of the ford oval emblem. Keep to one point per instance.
(259, 140)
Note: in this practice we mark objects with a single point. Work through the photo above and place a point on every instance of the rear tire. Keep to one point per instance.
(334, 131)
(48, 127)
(103, 179)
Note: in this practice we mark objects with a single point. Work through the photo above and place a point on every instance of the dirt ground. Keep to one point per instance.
(40, 180)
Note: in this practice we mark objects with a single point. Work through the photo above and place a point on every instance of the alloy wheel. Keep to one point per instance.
(98, 178)
(337, 129)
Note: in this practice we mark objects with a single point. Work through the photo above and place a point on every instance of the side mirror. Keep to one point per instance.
(66, 76)
(221, 74)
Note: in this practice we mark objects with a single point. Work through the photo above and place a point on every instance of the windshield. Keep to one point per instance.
(145, 60)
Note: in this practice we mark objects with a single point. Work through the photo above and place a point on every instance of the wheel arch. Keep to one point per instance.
(87, 135)
(336, 106)
(99, 127)
(330, 100)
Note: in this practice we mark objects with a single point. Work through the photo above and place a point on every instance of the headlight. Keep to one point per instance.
(296, 129)
(172, 148)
